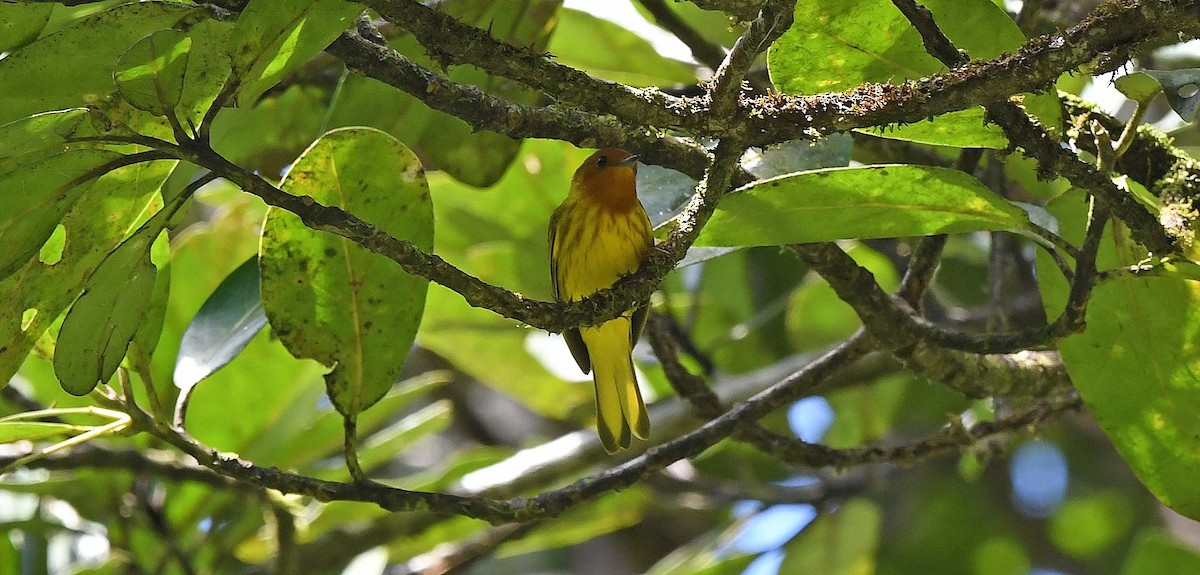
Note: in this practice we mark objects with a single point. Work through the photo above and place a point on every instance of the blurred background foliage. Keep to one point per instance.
(477, 388)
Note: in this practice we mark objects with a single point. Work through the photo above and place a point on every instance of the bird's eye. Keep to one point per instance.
(602, 161)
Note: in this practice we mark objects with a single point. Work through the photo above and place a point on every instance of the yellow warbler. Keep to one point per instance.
(598, 235)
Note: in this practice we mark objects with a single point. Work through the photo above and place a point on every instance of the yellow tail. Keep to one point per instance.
(619, 407)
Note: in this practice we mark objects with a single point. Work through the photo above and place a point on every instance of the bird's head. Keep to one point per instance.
(608, 176)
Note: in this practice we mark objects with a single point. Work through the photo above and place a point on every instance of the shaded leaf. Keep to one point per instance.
(331, 300)
(36, 295)
(825, 51)
(477, 158)
(838, 543)
(274, 37)
(1182, 89)
(35, 197)
(870, 202)
(222, 328)
(73, 66)
(1156, 552)
(793, 156)
(323, 435)
(20, 24)
(102, 322)
(383, 445)
(610, 512)
(1138, 86)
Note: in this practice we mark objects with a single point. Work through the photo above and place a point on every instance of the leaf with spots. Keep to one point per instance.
(330, 300)
(20, 24)
(274, 37)
(1136, 364)
(150, 74)
(884, 201)
(74, 66)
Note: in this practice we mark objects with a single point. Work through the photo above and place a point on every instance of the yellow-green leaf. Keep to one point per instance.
(329, 299)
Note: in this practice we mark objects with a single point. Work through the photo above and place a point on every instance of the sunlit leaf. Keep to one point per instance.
(35, 197)
(867, 202)
(1134, 365)
(73, 66)
(46, 132)
(825, 51)
(329, 299)
(274, 37)
(150, 74)
(606, 50)
(11, 431)
(36, 294)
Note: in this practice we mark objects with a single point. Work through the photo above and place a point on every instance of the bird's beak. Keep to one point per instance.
(629, 162)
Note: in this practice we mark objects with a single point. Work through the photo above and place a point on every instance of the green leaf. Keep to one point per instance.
(151, 329)
(35, 197)
(73, 66)
(35, 296)
(225, 324)
(329, 299)
(11, 431)
(150, 74)
(607, 514)
(1182, 89)
(1156, 552)
(816, 317)
(262, 400)
(1134, 367)
(382, 446)
(38, 133)
(702, 557)
(606, 50)
(865, 413)
(825, 51)
(839, 543)
(869, 202)
(99, 327)
(323, 436)
(20, 24)
(477, 158)
(208, 68)
(1088, 525)
(1138, 86)
(274, 37)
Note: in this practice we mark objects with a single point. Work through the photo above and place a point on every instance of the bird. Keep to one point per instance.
(599, 234)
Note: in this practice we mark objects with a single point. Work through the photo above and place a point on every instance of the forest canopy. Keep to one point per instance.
(278, 294)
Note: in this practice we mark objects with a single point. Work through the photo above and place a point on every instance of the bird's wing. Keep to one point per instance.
(572, 336)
